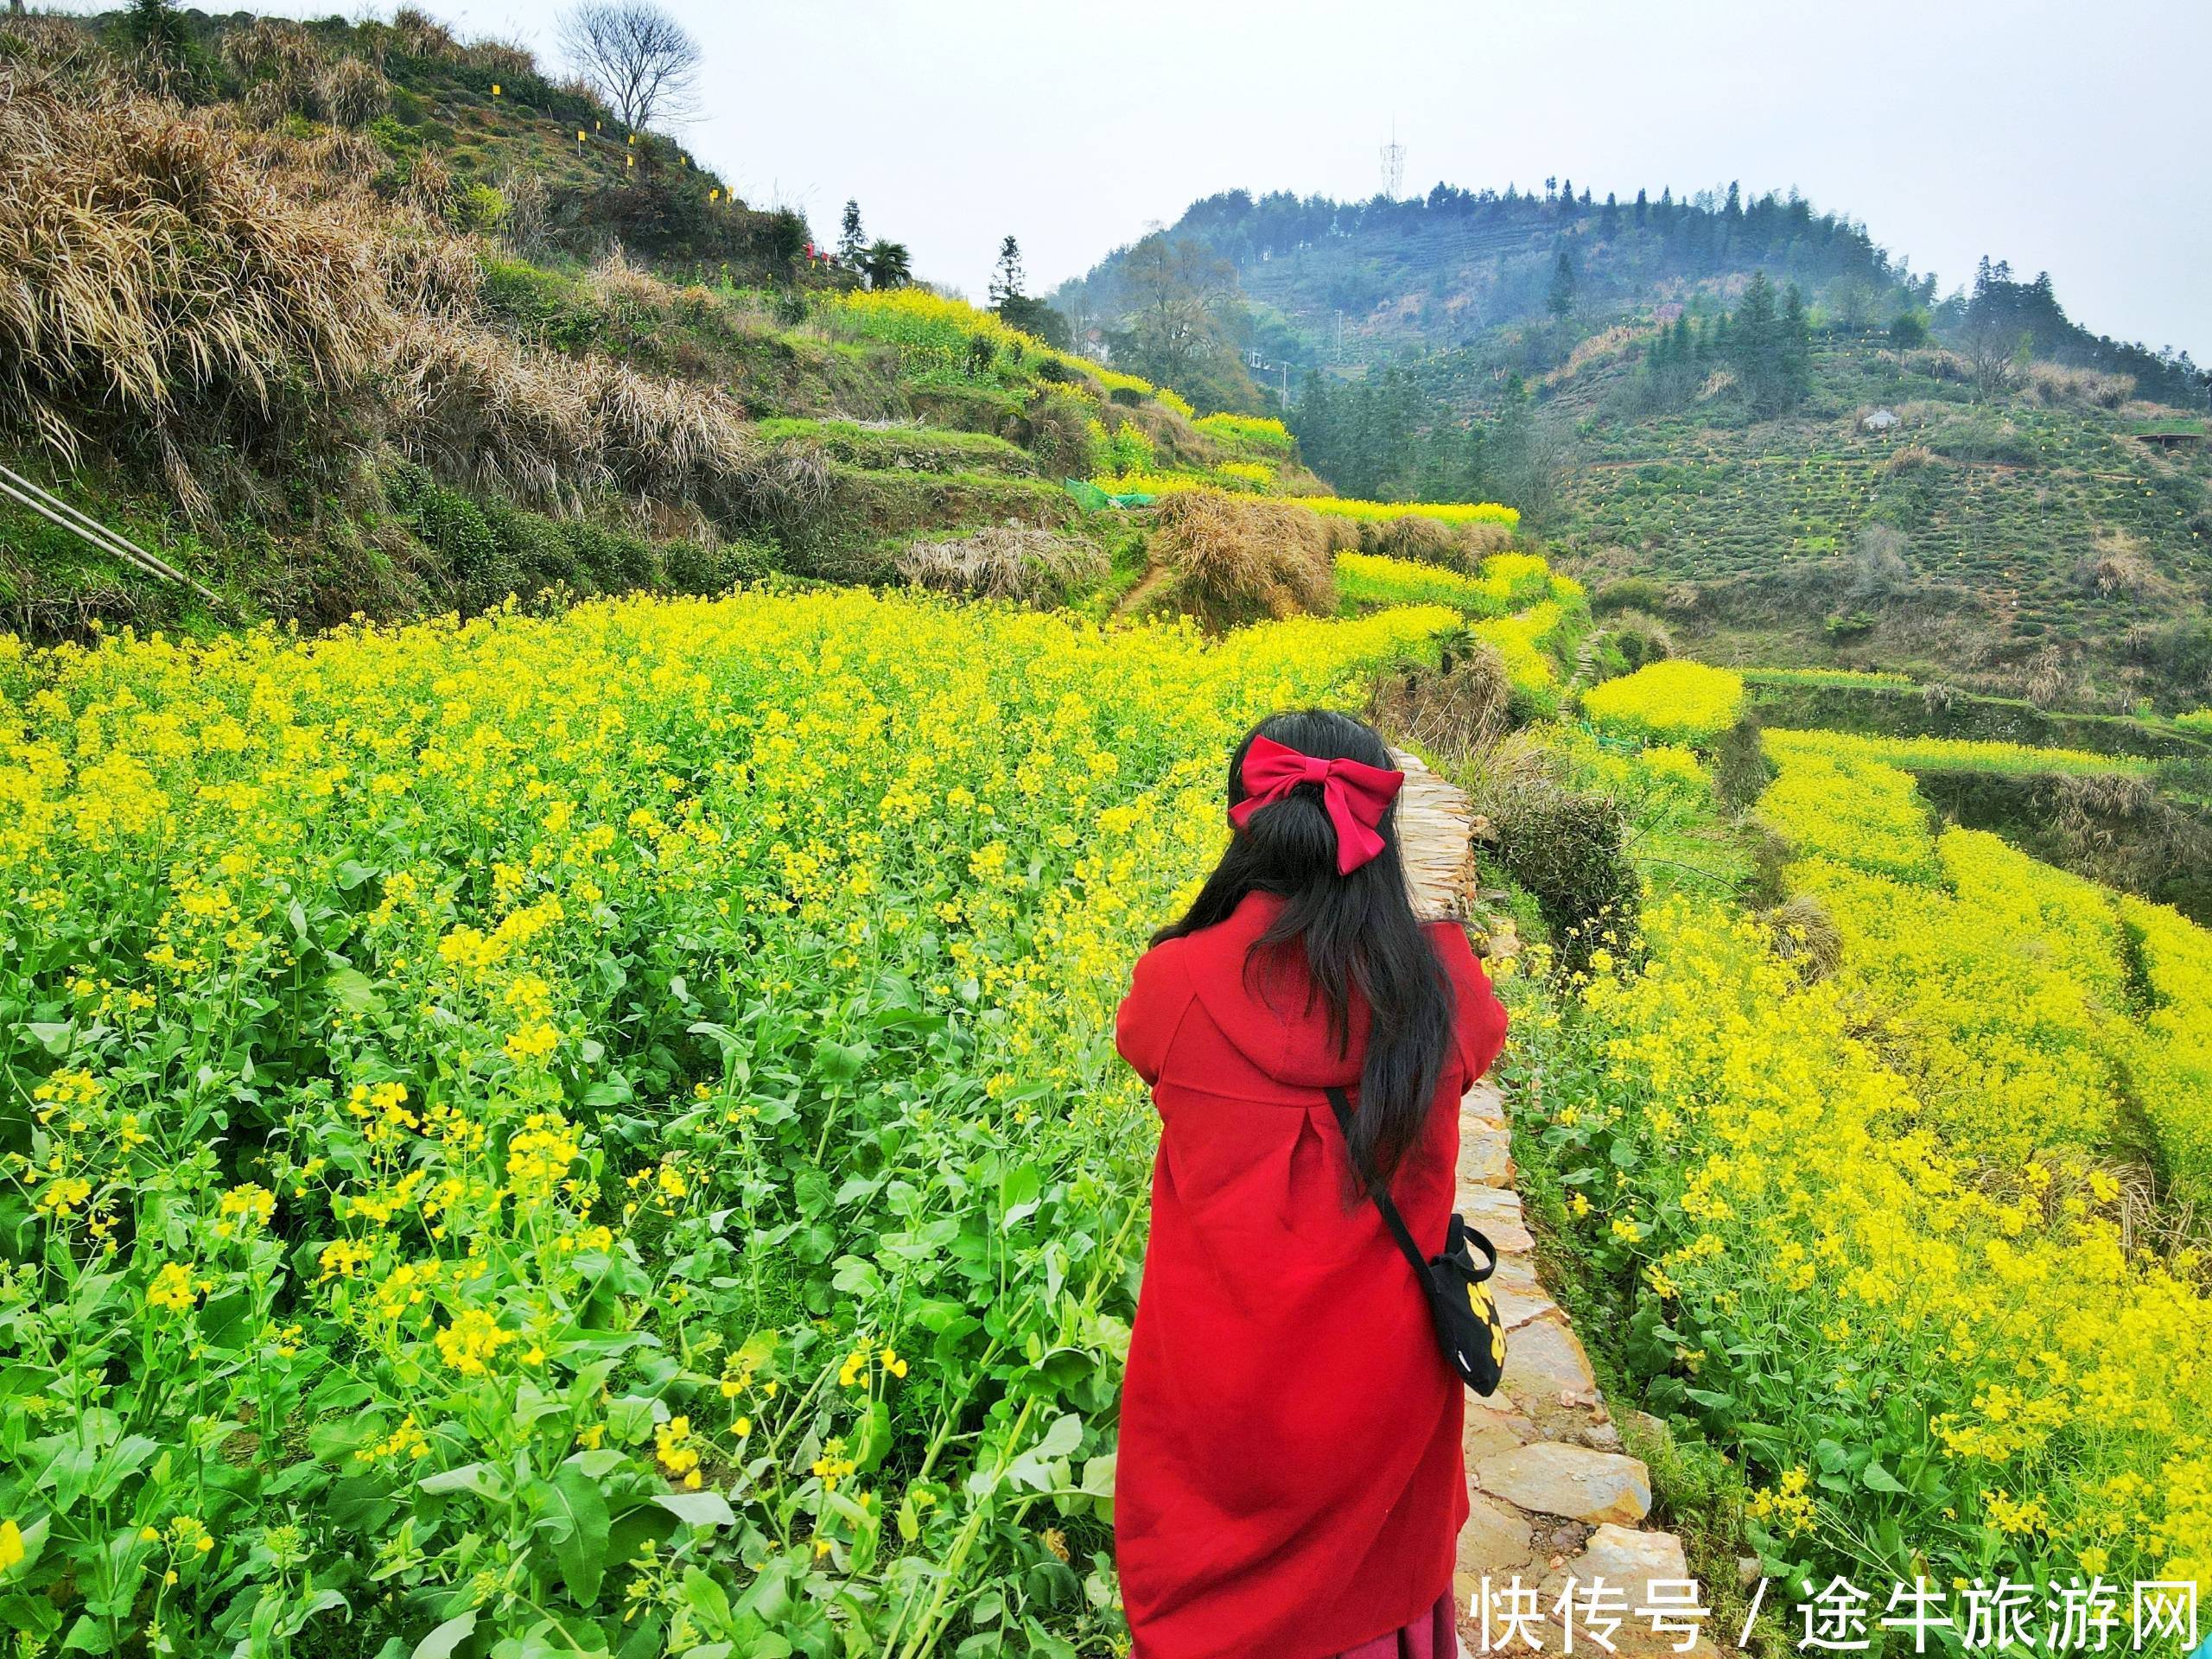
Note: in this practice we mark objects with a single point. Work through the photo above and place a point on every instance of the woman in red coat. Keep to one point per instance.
(1290, 1482)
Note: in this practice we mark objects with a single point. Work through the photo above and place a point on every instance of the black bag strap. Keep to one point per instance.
(1376, 1191)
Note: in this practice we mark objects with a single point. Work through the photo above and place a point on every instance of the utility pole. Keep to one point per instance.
(1394, 164)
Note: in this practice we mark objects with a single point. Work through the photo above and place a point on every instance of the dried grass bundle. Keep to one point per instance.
(1234, 557)
(2057, 383)
(1004, 561)
(508, 59)
(475, 410)
(354, 92)
(1431, 541)
(627, 292)
(1801, 931)
(1453, 711)
(551, 430)
(421, 36)
(270, 47)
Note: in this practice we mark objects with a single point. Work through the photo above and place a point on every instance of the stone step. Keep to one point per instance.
(1572, 1482)
(1546, 1368)
(1486, 1155)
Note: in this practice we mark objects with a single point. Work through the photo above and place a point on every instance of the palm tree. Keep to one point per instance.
(887, 265)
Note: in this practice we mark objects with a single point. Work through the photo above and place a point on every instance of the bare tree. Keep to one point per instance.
(637, 57)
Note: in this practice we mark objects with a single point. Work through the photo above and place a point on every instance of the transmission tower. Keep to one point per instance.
(1393, 165)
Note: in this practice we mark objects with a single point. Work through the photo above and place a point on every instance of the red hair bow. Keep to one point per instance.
(1356, 796)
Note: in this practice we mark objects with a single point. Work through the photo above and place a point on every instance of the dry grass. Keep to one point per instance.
(2119, 566)
(1453, 713)
(508, 58)
(1431, 541)
(354, 92)
(1005, 562)
(1936, 362)
(628, 293)
(2056, 383)
(1801, 931)
(230, 304)
(157, 287)
(1233, 558)
(1911, 458)
(417, 34)
(554, 431)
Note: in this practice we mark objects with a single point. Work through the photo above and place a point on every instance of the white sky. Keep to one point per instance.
(2074, 138)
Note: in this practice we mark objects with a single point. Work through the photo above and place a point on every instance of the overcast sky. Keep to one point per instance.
(2071, 137)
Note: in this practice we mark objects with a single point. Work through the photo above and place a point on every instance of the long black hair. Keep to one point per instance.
(1359, 930)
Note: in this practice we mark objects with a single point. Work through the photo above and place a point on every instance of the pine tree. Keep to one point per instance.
(1007, 281)
(1562, 297)
(852, 241)
(1796, 348)
(1609, 222)
(1643, 208)
(1757, 348)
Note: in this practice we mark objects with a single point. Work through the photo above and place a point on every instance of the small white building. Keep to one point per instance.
(1881, 420)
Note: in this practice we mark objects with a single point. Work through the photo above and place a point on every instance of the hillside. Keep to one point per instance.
(473, 341)
(2041, 509)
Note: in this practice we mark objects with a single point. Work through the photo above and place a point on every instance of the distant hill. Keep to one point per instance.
(2028, 510)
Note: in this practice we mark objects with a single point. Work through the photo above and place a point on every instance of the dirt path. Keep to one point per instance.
(1552, 1494)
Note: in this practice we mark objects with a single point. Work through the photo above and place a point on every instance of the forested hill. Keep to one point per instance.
(1757, 428)
(1347, 283)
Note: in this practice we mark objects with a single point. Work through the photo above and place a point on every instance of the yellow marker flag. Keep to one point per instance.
(579, 134)
(495, 89)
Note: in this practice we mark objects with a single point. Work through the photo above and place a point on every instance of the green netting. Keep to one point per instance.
(1094, 500)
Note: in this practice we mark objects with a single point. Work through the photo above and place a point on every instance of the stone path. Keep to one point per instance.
(1551, 1494)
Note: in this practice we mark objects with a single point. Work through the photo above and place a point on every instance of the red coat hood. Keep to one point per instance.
(1266, 1011)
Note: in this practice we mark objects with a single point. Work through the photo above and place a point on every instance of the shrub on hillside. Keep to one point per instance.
(1457, 545)
(2057, 383)
(1234, 558)
(1056, 430)
(354, 92)
(1983, 436)
(2118, 566)
(1629, 593)
(1639, 637)
(549, 430)
(1564, 846)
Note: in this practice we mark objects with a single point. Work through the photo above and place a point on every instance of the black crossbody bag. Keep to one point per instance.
(1468, 1328)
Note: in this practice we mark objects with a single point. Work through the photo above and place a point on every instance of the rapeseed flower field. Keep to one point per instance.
(601, 1128)
(1885, 1222)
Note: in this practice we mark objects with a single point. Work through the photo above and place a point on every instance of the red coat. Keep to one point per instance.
(1290, 1481)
